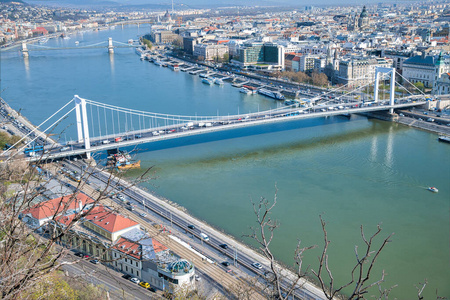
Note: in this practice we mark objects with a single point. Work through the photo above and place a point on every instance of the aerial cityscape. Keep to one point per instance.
(224, 150)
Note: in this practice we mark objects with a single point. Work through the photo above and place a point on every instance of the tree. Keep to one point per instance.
(420, 86)
(226, 57)
(319, 79)
(178, 42)
(360, 282)
(147, 43)
(29, 255)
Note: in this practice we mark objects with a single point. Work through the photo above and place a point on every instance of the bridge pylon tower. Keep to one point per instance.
(24, 49)
(110, 46)
(82, 123)
(390, 71)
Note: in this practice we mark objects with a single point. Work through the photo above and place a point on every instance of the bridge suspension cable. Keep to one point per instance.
(44, 131)
(35, 129)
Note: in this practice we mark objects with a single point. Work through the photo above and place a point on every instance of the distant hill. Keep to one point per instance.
(9, 1)
(72, 3)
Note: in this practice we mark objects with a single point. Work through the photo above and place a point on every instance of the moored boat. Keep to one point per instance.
(207, 81)
(122, 161)
(245, 91)
(272, 94)
(129, 165)
(444, 138)
(218, 81)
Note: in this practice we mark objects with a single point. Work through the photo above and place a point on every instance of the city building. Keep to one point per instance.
(139, 255)
(163, 36)
(425, 69)
(361, 22)
(112, 237)
(358, 71)
(261, 56)
(210, 52)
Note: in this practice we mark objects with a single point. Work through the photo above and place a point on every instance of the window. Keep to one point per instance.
(131, 270)
(137, 273)
(126, 268)
(136, 264)
(125, 260)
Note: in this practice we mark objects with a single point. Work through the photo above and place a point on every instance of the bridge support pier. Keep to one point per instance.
(110, 46)
(24, 50)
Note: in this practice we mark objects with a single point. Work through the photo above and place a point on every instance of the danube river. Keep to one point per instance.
(353, 172)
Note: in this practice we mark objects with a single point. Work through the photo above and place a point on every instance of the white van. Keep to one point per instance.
(204, 236)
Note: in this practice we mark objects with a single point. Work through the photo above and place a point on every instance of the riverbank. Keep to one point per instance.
(313, 292)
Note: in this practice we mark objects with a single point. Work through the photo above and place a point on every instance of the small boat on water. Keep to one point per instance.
(208, 81)
(245, 91)
(77, 42)
(444, 138)
(218, 81)
(122, 161)
(433, 189)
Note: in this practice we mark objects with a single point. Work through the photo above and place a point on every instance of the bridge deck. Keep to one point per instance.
(219, 124)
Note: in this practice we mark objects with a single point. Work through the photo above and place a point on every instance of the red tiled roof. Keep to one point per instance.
(131, 248)
(134, 249)
(108, 220)
(57, 206)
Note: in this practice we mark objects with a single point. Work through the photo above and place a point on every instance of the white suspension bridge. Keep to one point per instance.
(110, 44)
(102, 126)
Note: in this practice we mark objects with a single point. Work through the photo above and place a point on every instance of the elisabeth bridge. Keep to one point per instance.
(101, 126)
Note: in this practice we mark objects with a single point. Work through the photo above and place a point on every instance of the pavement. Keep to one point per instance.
(417, 119)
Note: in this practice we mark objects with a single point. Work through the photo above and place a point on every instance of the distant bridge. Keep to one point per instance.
(25, 47)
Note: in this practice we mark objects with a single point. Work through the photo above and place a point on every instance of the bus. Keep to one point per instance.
(33, 149)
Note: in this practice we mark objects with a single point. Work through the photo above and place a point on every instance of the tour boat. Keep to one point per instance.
(273, 94)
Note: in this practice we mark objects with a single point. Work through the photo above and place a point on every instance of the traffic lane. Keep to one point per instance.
(213, 244)
(101, 274)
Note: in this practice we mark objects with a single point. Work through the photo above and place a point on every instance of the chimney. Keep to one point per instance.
(80, 205)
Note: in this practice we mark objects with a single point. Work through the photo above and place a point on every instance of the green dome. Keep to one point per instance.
(179, 265)
(364, 13)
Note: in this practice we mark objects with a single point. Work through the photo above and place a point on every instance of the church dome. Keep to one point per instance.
(364, 13)
(167, 15)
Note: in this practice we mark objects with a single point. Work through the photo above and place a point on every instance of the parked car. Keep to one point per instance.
(135, 280)
(257, 265)
(143, 214)
(79, 254)
(225, 263)
(95, 261)
(191, 226)
(126, 276)
(145, 284)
